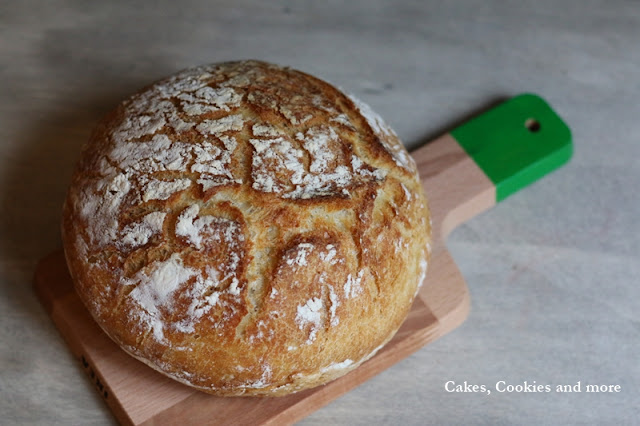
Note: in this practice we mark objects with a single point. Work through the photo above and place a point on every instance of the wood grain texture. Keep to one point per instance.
(138, 395)
(457, 190)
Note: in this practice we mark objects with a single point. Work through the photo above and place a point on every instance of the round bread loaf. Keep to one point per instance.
(246, 229)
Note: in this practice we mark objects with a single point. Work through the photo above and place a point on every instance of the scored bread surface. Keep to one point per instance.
(246, 229)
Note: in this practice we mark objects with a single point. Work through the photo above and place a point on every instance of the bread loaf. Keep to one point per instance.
(246, 229)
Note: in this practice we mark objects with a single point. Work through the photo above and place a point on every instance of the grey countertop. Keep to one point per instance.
(553, 271)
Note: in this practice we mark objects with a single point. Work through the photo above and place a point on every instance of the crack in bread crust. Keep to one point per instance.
(246, 229)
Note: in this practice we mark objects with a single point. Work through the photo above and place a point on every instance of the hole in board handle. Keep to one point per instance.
(532, 125)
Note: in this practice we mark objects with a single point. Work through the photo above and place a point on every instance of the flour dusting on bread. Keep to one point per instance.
(236, 224)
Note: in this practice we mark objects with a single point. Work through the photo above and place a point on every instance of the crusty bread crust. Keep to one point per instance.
(246, 229)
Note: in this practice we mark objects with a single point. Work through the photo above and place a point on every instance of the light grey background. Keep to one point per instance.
(553, 271)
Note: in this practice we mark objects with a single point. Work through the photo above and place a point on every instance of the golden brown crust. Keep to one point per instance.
(246, 229)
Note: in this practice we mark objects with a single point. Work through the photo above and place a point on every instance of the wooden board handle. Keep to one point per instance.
(491, 157)
(516, 143)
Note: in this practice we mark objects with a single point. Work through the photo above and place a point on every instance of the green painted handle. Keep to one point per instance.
(516, 143)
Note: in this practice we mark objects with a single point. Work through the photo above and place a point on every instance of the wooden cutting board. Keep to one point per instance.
(463, 172)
